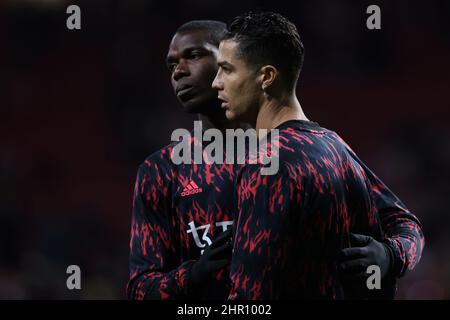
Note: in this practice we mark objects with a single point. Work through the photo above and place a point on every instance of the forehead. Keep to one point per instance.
(189, 39)
(227, 51)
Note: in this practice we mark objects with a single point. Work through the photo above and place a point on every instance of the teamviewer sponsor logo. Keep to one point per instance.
(191, 188)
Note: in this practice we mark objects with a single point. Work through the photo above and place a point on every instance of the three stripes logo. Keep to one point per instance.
(191, 188)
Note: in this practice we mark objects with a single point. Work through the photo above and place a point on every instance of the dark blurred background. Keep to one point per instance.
(80, 110)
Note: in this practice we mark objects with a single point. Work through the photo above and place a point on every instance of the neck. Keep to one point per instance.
(274, 112)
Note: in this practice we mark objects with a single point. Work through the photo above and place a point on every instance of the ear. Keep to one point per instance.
(268, 76)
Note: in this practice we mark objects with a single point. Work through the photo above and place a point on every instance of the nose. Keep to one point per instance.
(181, 70)
(217, 83)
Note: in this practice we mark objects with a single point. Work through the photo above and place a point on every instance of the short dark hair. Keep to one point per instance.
(268, 38)
(216, 29)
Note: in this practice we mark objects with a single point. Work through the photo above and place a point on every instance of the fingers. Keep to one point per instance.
(221, 252)
(354, 266)
(221, 238)
(359, 240)
(355, 277)
(353, 253)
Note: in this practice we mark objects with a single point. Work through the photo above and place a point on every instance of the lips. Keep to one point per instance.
(183, 89)
(224, 102)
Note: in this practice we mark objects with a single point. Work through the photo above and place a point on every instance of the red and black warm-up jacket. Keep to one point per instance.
(177, 211)
(290, 227)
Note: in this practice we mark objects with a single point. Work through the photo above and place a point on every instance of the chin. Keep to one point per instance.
(230, 115)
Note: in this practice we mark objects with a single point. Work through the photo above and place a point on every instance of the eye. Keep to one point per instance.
(171, 67)
(225, 69)
(196, 54)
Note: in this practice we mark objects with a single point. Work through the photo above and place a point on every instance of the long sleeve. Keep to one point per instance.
(402, 229)
(155, 273)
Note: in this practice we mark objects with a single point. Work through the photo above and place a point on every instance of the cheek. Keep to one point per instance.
(204, 74)
(236, 87)
(247, 92)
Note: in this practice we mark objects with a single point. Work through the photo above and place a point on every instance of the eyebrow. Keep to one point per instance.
(225, 64)
(170, 58)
